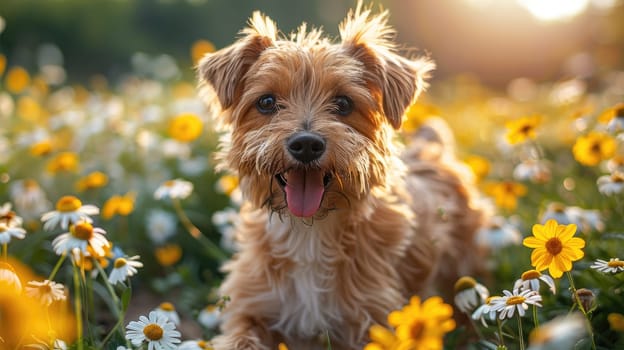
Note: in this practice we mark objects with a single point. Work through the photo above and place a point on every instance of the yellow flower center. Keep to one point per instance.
(615, 263)
(153, 332)
(554, 246)
(526, 129)
(617, 177)
(82, 230)
(515, 300)
(596, 148)
(464, 283)
(30, 184)
(68, 204)
(166, 306)
(3, 227)
(489, 299)
(530, 275)
(416, 329)
(46, 288)
(557, 207)
(202, 344)
(120, 262)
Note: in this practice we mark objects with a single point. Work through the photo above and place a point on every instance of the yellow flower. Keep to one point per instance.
(17, 80)
(200, 48)
(608, 115)
(41, 148)
(381, 339)
(416, 114)
(29, 109)
(521, 130)
(422, 325)
(63, 162)
(479, 166)
(227, 184)
(185, 127)
(118, 205)
(168, 255)
(3, 62)
(282, 346)
(17, 306)
(506, 193)
(594, 147)
(555, 248)
(92, 180)
(616, 321)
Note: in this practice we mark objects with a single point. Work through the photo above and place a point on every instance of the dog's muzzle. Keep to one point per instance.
(304, 185)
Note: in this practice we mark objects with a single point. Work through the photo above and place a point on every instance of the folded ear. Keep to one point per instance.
(398, 80)
(224, 70)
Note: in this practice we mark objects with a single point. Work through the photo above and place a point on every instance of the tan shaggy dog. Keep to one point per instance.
(341, 224)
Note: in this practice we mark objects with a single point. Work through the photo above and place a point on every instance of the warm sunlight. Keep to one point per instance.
(554, 10)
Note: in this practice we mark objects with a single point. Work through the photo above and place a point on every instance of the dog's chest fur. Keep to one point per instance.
(308, 295)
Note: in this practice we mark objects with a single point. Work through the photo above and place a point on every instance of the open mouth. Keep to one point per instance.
(304, 189)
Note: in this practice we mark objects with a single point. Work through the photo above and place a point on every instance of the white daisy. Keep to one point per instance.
(124, 268)
(195, 345)
(161, 225)
(8, 278)
(585, 220)
(46, 292)
(7, 232)
(530, 280)
(69, 210)
(611, 184)
(8, 216)
(469, 294)
(498, 234)
(209, 316)
(29, 199)
(177, 189)
(532, 170)
(516, 300)
(81, 235)
(486, 309)
(168, 310)
(156, 330)
(614, 265)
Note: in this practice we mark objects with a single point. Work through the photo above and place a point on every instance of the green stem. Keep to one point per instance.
(78, 307)
(109, 287)
(520, 335)
(5, 251)
(580, 306)
(211, 248)
(535, 319)
(57, 267)
(500, 331)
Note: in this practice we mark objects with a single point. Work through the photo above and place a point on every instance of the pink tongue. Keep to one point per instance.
(304, 191)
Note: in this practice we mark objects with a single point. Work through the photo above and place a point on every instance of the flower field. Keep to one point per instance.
(114, 221)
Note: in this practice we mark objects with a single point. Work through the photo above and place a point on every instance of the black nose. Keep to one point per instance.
(306, 146)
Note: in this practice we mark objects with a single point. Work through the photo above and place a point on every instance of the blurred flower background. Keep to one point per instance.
(103, 136)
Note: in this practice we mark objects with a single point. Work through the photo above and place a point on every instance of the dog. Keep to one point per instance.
(341, 221)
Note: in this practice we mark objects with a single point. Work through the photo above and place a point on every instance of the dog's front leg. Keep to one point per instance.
(243, 333)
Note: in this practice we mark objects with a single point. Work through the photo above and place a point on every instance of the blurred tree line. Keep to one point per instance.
(99, 36)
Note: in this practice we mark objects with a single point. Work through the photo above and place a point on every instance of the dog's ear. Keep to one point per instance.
(398, 80)
(224, 70)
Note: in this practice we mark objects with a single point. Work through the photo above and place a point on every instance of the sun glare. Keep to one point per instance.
(554, 10)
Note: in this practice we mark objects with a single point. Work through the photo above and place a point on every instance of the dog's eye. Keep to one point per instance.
(343, 105)
(267, 104)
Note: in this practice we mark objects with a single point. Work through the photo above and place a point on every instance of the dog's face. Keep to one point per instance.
(311, 121)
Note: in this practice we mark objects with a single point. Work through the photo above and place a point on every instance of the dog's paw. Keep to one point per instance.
(244, 342)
